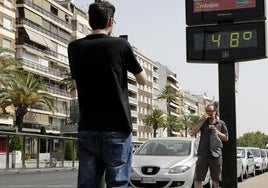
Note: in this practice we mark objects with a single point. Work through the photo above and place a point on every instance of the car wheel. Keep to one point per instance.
(240, 178)
(246, 174)
(253, 173)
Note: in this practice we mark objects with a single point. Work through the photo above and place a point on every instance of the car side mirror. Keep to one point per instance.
(239, 155)
(195, 152)
(250, 155)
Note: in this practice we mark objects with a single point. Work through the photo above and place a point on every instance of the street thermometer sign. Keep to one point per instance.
(229, 42)
(225, 30)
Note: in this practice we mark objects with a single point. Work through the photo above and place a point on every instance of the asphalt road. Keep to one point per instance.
(39, 179)
(67, 178)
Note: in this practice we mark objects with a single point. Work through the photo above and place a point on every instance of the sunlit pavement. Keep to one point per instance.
(259, 181)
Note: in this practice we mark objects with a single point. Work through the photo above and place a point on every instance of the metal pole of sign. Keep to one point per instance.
(227, 109)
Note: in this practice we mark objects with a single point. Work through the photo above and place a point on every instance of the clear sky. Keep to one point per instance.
(157, 29)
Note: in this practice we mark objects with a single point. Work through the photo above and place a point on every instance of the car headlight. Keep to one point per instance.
(178, 169)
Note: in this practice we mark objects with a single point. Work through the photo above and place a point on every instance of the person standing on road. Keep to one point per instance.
(213, 132)
(99, 64)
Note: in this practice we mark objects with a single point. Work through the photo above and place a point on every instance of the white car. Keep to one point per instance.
(259, 163)
(265, 159)
(247, 157)
(165, 162)
(239, 169)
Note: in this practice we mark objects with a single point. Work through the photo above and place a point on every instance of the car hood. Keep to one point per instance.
(163, 161)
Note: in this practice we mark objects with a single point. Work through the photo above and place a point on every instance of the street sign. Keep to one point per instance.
(200, 12)
(226, 42)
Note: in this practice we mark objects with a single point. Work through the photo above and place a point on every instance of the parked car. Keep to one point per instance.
(239, 169)
(265, 159)
(165, 162)
(247, 157)
(259, 163)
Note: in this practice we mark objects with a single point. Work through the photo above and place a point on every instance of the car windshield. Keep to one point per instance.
(165, 147)
(256, 152)
(240, 152)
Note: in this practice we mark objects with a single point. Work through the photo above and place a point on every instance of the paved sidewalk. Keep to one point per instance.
(259, 181)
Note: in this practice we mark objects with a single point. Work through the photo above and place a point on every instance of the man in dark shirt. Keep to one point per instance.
(213, 131)
(99, 64)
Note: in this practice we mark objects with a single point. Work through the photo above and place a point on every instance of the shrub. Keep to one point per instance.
(15, 143)
(70, 153)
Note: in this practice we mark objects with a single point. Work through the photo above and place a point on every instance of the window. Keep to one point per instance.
(80, 28)
(54, 10)
(7, 23)
(6, 43)
(8, 3)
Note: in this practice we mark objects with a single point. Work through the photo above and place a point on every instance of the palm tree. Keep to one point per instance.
(170, 94)
(172, 124)
(8, 64)
(155, 119)
(188, 121)
(68, 81)
(25, 92)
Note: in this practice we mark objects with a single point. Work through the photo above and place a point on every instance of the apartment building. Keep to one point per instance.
(145, 98)
(44, 30)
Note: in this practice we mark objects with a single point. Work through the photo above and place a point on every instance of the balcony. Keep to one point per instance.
(45, 13)
(42, 68)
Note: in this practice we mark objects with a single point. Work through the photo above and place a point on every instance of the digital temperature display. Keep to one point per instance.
(239, 41)
(225, 40)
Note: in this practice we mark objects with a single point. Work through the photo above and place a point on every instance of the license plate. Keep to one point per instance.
(148, 180)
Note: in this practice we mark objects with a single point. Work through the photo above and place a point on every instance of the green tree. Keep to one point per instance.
(253, 139)
(172, 124)
(68, 81)
(188, 122)
(70, 151)
(25, 92)
(170, 94)
(155, 119)
(8, 65)
(15, 143)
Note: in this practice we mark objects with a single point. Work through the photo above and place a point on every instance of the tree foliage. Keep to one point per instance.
(8, 66)
(25, 92)
(15, 143)
(70, 151)
(20, 89)
(170, 94)
(155, 119)
(253, 139)
(188, 122)
(172, 124)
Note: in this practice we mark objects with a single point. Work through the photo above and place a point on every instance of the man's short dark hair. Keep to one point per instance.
(99, 13)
